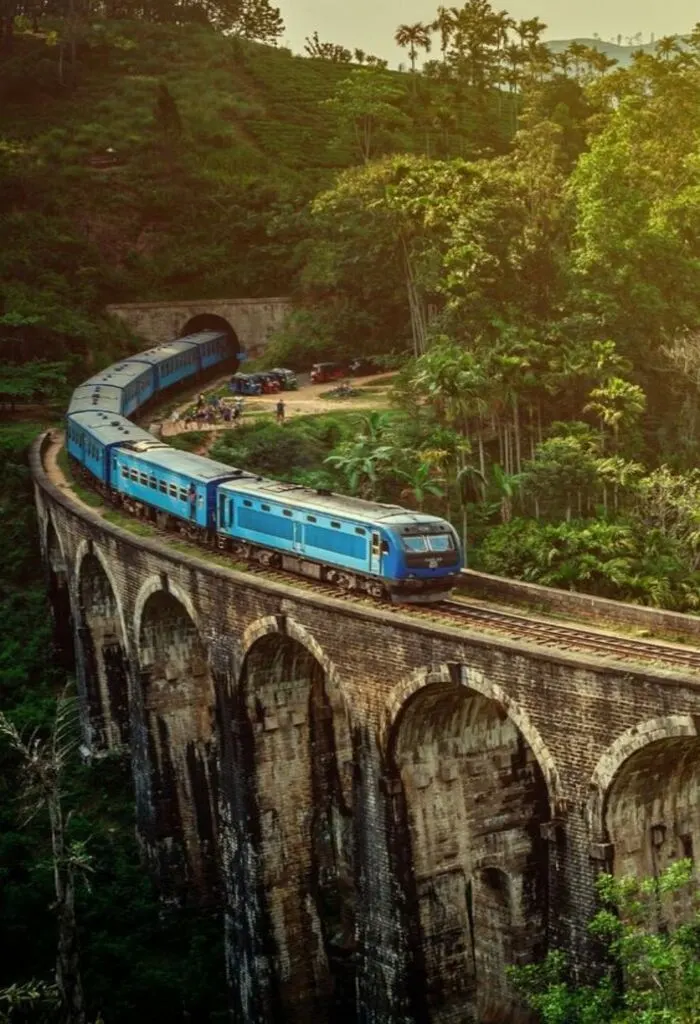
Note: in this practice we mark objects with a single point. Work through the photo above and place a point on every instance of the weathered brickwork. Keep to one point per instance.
(389, 811)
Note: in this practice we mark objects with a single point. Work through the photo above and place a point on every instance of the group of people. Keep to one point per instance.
(212, 410)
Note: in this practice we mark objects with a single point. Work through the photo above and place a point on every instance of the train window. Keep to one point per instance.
(385, 547)
(360, 531)
(183, 494)
(415, 543)
(125, 472)
(265, 508)
(162, 487)
(152, 483)
(336, 526)
(200, 500)
(172, 490)
(311, 519)
(286, 512)
(440, 542)
(248, 504)
(143, 479)
(114, 464)
(134, 475)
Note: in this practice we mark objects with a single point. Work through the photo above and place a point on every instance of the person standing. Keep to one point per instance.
(280, 411)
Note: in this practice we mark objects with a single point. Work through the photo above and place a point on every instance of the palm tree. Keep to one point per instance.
(411, 37)
(618, 403)
(362, 461)
(467, 474)
(666, 47)
(422, 481)
(445, 25)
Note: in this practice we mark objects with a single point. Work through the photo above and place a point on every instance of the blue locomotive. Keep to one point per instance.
(382, 550)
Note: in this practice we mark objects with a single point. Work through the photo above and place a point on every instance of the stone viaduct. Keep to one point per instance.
(250, 320)
(389, 810)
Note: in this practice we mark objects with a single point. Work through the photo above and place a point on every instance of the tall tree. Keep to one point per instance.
(43, 767)
(365, 106)
(444, 24)
(413, 38)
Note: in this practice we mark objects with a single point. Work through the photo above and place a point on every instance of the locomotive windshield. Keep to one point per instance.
(432, 542)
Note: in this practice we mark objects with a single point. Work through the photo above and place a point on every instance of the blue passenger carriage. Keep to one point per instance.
(177, 484)
(105, 397)
(172, 363)
(135, 379)
(213, 347)
(91, 438)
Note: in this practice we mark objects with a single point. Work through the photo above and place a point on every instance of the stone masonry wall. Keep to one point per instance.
(389, 810)
(252, 319)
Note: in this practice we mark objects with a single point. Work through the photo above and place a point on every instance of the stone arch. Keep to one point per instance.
(177, 738)
(162, 584)
(647, 788)
(667, 727)
(292, 750)
(475, 680)
(59, 597)
(102, 634)
(474, 796)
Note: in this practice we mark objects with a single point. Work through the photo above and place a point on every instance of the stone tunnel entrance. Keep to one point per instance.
(178, 715)
(301, 827)
(59, 598)
(652, 813)
(474, 798)
(212, 322)
(104, 657)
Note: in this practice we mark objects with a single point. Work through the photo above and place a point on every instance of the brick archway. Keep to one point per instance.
(103, 645)
(463, 675)
(470, 795)
(291, 757)
(178, 740)
(625, 746)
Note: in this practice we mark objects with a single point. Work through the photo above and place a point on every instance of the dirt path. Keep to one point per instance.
(304, 402)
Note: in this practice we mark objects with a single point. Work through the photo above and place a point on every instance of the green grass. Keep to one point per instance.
(191, 441)
(134, 526)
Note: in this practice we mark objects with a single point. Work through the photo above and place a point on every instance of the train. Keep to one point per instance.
(385, 551)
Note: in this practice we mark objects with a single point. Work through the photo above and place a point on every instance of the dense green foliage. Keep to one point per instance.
(171, 162)
(546, 304)
(651, 944)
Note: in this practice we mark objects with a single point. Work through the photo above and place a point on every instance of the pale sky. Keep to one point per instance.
(370, 24)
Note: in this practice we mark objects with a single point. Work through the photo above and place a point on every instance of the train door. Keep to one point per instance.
(375, 558)
(222, 511)
(298, 540)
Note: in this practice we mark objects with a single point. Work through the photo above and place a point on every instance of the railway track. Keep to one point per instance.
(560, 636)
(555, 636)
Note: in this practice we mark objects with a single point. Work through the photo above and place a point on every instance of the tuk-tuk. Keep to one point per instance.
(287, 378)
(244, 384)
(323, 372)
(269, 384)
